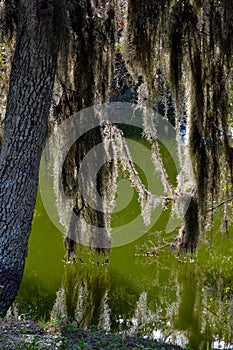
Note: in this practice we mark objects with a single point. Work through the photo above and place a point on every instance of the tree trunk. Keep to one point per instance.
(29, 99)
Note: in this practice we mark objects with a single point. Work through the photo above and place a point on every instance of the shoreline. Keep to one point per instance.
(27, 335)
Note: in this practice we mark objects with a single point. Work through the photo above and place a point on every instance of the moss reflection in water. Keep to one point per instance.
(83, 295)
(157, 296)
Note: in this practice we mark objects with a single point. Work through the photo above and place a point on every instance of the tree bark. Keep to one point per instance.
(29, 99)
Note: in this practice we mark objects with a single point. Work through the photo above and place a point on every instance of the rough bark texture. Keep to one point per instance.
(29, 98)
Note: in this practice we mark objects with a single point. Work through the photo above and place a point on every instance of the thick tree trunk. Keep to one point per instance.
(29, 99)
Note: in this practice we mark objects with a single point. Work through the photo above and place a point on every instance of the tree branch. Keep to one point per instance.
(220, 204)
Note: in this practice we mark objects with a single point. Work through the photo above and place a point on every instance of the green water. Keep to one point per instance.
(178, 300)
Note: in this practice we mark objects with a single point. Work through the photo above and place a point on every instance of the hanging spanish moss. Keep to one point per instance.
(87, 82)
(149, 108)
(142, 39)
(209, 124)
(189, 57)
(179, 48)
(94, 30)
(120, 153)
(198, 41)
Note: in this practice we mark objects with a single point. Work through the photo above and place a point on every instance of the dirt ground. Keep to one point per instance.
(29, 335)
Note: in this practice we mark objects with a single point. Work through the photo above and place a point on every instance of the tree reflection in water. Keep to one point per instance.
(155, 296)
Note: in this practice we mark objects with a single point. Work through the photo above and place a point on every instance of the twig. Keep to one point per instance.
(155, 250)
(220, 204)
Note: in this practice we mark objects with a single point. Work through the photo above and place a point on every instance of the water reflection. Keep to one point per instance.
(155, 296)
(83, 297)
(188, 318)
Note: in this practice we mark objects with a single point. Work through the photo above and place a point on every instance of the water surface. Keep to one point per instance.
(182, 300)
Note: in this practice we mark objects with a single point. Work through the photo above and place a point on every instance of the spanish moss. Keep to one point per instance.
(84, 84)
(196, 46)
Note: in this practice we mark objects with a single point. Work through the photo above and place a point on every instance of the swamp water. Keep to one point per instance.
(184, 301)
(187, 302)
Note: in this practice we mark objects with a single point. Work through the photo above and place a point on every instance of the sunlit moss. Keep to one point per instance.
(196, 38)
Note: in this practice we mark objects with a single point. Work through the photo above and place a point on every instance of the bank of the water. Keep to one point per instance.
(29, 335)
